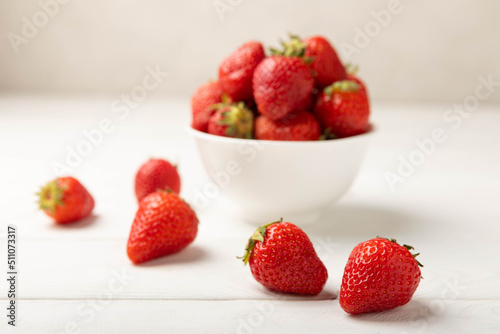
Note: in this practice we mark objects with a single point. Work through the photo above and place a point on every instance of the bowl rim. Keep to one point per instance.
(208, 136)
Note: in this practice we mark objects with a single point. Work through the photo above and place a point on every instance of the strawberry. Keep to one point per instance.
(66, 200)
(325, 64)
(282, 258)
(164, 224)
(236, 71)
(319, 54)
(202, 101)
(156, 174)
(231, 120)
(297, 126)
(343, 108)
(282, 85)
(352, 71)
(380, 275)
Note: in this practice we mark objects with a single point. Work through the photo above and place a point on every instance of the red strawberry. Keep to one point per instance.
(66, 200)
(319, 54)
(297, 126)
(164, 224)
(361, 84)
(343, 108)
(282, 85)
(282, 258)
(156, 174)
(236, 71)
(231, 120)
(202, 101)
(379, 275)
(325, 64)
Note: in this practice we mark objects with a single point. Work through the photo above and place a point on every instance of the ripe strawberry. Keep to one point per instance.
(202, 101)
(231, 120)
(282, 258)
(236, 71)
(66, 200)
(325, 64)
(343, 108)
(319, 54)
(380, 275)
(164, 224)
(297, 126)
(282, 85)
(156, 174)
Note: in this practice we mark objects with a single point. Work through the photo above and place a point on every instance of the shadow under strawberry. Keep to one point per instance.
(190, 254)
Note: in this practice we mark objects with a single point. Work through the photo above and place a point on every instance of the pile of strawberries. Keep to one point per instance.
(302, 92)
(379, 275)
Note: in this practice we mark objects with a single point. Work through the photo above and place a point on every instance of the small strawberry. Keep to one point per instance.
(202, 101)
(319, 54)
(66, 200)
(282, 85)
(297, 126)
(282, 258)
(156, 174)
(343, 108)
(236, 71)
(352, 71)
(380, 275)
(231, 120)
(164, 224)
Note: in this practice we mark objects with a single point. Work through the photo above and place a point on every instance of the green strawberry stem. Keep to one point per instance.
(342, 86)
(351, 68)
(50, 196)
(294, 48)
(258, 235)
(238, 119)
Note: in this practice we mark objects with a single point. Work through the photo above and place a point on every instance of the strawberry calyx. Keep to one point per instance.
(341, 86)
(408, 247)
(257, 236)
(50, 196)
(327, 134)
(238, 119)
(294, 48)
(351, 69)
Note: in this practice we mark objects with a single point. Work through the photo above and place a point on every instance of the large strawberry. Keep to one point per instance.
(236, 71)
(66, 200)
(282, 258)
(202, 101)
(164, 224)
(380, 275)
(231, 120)
(343, 108)
(298, 126)
(282, 85)
(319, 54)
(156, 174)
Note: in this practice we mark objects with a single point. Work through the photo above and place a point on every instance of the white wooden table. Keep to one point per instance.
(78, 279)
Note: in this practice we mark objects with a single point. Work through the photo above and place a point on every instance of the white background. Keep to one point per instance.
(429, 51)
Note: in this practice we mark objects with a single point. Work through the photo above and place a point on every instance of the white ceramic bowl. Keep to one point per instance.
(266, 180)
